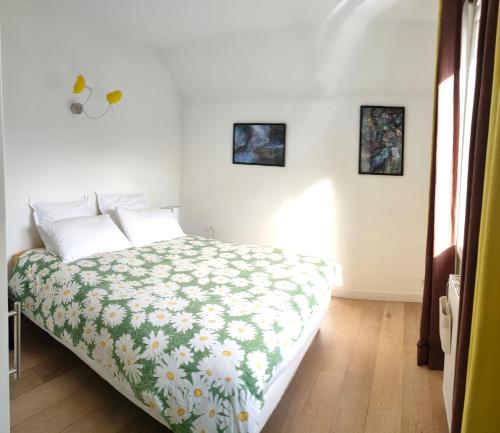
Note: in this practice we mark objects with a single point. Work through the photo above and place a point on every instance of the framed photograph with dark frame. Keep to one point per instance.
(381, 140)
(259, 144)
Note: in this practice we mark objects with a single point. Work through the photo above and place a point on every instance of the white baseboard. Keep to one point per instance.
(377, 296)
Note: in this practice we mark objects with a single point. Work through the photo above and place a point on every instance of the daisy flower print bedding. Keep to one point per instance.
(192, 330)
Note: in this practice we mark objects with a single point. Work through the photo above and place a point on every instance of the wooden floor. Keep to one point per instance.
(359, 376)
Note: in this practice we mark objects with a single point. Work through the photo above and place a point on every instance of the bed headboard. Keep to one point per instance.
(23, 234)
(174, 209)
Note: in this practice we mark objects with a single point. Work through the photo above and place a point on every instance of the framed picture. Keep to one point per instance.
(381, 140)
(259, 144)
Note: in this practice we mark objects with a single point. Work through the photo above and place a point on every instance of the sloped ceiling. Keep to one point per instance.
(219, 49)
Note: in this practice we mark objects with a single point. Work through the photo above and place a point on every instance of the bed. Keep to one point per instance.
(203, 335)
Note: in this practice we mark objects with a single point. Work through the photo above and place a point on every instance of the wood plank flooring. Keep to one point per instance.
(359, 376)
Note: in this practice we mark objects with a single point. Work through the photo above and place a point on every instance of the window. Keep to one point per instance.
(470, 27)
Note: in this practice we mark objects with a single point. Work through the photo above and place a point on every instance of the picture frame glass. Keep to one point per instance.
(259, 144)
(381, 140)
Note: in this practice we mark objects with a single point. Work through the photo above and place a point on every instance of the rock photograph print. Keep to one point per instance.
(259, 144)
(381, 140)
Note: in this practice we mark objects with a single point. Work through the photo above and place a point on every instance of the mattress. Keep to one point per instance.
(203, 335)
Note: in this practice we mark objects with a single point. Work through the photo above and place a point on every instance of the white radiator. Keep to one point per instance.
(448, 324)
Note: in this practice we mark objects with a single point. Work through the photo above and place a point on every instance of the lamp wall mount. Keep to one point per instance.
(76, 108)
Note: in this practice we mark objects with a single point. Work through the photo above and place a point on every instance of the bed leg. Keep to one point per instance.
(10, 327)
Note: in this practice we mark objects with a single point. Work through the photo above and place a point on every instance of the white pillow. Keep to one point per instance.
(49, 212)
(109, 202)
(145, 226)
(75, 238)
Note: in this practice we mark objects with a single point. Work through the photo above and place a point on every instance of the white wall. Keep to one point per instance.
(51, 153)
(313, 76)
(314, 80)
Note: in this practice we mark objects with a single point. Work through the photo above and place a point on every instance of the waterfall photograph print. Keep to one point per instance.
(381, 140)
(259, 144)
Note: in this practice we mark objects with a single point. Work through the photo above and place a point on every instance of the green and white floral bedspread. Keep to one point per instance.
(192, 329)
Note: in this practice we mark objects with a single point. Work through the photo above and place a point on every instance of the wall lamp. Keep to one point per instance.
(78, 108)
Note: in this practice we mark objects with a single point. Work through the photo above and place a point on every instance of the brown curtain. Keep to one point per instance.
(440, 251)
(475, 181)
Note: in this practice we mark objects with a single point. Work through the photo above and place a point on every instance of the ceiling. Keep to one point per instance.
(220, 49)
(168, 22)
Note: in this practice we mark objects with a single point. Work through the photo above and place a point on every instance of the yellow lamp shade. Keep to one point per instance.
(114, 97)
(79, 84)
